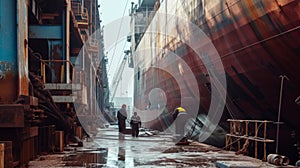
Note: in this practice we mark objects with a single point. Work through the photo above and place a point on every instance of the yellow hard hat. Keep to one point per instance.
(180, 109)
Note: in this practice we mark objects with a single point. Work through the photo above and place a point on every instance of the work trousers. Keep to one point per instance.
(135, 129)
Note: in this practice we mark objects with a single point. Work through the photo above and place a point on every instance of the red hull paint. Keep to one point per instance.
(255, 50)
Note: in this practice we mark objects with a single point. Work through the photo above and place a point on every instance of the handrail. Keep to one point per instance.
(44, 63)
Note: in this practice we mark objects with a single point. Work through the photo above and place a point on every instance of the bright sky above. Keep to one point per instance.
(111, 13)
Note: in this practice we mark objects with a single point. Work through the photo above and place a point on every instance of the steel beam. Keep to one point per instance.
(49, 32)
(62, 86)
(63, 99)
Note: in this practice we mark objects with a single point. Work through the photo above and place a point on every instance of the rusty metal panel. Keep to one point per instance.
(22, 44)
(34, 131)
(11, 116)
(47, 139)
(8, 51)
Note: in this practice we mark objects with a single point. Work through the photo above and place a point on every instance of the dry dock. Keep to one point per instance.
(108, 149)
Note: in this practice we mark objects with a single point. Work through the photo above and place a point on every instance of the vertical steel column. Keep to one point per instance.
(68, 39)
(282, 77)
(22, 22)
(64, 42)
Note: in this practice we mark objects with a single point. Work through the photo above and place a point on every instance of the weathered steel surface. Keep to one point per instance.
(22, 43)
(45, 32)
(47, 133)
(11, 116)
(8, 51)
(34, 131)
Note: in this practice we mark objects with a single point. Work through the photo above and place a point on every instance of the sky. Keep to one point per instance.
(111, 14)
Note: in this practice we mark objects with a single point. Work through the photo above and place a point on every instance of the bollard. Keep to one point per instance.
(275, 159)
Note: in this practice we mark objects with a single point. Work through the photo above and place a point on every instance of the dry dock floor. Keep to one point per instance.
(109, 150)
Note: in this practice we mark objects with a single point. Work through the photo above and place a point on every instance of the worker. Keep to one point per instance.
(122, 116)
(181, 117)
(135, 124)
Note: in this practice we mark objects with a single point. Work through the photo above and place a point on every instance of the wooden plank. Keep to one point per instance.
(8, 157)
(59, 141)
(79, 132)
(2, 155)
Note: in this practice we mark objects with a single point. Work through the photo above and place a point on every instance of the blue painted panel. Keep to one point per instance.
(8, 51)
(8, 33)
(45, 32)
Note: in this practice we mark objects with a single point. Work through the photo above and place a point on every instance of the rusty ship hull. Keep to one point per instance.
(257, 40)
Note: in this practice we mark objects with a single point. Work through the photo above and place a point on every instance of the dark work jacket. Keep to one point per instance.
(122, 114)
(180, 122)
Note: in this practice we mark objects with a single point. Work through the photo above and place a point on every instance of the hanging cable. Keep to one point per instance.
(115, 47)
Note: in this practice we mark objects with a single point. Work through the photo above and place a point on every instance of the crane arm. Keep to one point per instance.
(117, 78)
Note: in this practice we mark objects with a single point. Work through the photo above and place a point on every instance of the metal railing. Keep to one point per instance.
(80, 12)
(47, 63)
(240, 130)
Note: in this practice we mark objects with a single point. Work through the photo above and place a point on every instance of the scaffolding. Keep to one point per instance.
(239, 130)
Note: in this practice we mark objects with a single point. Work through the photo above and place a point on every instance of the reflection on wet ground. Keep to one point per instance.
(109, 149)
(95, 158)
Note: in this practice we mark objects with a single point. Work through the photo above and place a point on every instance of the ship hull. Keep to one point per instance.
(258, 42)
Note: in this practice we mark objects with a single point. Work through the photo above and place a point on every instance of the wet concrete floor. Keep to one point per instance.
(108, 149)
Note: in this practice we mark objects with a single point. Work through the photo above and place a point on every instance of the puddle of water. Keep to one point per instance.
(87, 158)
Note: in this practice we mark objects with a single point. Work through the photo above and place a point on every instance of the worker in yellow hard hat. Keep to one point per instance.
(181, 117)
(180, 109)
(177, 111)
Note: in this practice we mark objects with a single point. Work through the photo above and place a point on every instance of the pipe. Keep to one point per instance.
(274, 159)
(279, 109)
